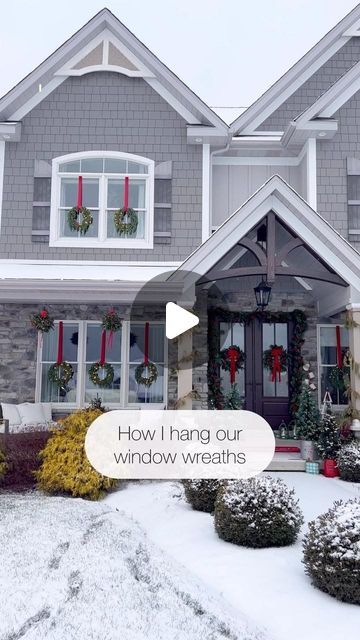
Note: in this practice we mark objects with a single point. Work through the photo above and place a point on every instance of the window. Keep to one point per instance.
(232, 333)
(275, 333)
(353, 183)
(103, 181)
(327, 362)
(125, 351)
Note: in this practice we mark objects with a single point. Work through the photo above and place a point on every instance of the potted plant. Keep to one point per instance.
(307, 422)
(329, 443)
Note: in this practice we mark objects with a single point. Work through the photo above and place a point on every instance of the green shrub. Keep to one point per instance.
(3, 465)
(65, 467)
(201, 494)
(348, 462)
(331, 551)
(259, 512)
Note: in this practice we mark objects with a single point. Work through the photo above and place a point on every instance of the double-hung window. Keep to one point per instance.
(329, 380)
(103, 176)
(124, 351)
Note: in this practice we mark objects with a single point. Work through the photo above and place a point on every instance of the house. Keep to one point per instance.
(271, 200)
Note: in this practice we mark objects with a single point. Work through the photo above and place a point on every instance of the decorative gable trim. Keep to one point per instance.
(274, 97)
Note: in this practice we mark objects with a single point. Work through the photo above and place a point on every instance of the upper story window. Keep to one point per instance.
(102, 182)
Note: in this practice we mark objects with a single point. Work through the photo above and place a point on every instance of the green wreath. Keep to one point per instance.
(73, 219)
(268, 358)
(128, 228)
(224, 360)
(339, 377)
(152, 371)
(60, 374)
(94, 374)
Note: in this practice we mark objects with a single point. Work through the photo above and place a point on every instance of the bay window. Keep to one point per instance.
(124, 351)
(103, 176)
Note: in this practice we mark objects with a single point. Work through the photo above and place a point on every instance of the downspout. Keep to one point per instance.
(215, 153)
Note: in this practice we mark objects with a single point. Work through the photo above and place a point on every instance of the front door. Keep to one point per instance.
(263, 392)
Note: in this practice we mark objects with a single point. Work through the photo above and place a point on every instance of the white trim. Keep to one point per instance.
(55, 240)
(311, 173)
(206, 172)
(278, 93)
(277, 161)
(2, 167)
(172, 101)
(124, 369)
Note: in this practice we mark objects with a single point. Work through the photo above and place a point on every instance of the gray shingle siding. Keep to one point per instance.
(102, 111)
(306, 95)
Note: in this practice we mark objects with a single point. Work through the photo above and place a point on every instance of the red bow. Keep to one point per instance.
(232, 355)
(276, 353)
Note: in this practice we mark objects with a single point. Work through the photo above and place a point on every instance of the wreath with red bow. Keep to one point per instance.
(232, 353)
(276, 360)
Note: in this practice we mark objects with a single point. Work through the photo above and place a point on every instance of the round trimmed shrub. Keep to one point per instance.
(332, 551)
(201, 494)
(65, 467)
(348, 462)
(259, 512)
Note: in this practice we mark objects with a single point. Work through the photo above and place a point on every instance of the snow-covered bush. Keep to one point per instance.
(65, 467)
(259, 512)
(348, 462)
(201, 494)
(332, 551)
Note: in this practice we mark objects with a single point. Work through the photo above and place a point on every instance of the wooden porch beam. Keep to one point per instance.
(294, 243)
(270, 247)
(260, 270)
(258, 251)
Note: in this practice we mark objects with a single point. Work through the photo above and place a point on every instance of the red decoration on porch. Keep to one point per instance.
(126, 193)
(42, 322)
(112, 323)
(103, 347)
(276, 353)
(60, 343)
(107, 369)
(146, 343)
(146, 366)
(126, 219)
(339, 358)
(79, 193)
(233, 355)
(330, 468)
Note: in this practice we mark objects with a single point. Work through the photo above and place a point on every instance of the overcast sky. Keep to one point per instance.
(227, 51)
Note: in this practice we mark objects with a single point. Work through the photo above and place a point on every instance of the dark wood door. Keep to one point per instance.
(263, 395)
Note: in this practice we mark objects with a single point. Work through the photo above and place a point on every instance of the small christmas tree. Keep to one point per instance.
(233, 399)
(328, 441)
(307, 418)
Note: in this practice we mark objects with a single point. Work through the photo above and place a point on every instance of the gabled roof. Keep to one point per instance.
(104, 42)
(277, 196)
(276, 95)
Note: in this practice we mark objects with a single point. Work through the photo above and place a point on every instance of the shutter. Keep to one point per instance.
(41, 203)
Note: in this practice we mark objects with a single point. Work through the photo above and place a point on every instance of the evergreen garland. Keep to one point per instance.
(295, 359)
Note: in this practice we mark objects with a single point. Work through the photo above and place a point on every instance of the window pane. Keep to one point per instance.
(69, 188)
(113, 165)
(70, 167)
(52, 393)
(92, 165)
(66, 232)
(93, 344)
(70, 344)
(137, 342)
(232, 334)
(136, 167)
(116, 194)
(140, 230)
(110, 394)
(353, 187)
(327, 382)
(142, 394)
(275, 334)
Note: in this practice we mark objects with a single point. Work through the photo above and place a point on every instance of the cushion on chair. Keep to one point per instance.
(46, 407)
(10, 412)
(31, 413)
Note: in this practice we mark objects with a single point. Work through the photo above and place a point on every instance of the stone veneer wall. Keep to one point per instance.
(18, 344)
(245, 302)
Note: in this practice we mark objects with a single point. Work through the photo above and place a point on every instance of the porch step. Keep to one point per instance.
(295, 464)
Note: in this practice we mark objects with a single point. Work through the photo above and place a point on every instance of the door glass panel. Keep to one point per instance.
(274, 334)
(232, 333)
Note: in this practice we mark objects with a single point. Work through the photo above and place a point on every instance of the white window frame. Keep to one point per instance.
(335, 407)
(66, 407)
(56, 240)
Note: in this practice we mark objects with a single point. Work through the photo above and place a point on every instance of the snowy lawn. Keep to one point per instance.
(268, 585)
(71, 569)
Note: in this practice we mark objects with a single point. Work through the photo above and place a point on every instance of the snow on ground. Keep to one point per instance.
(268, 585)
(71, 569)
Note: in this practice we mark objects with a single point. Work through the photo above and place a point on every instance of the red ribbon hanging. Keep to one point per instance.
(276, 353)
(339, 360)
(60, 343)
(103, 347)
(232, 355)
(126, 193)
(146, 344)
(79, 193)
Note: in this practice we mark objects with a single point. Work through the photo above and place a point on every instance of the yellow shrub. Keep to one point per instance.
(3, 465)
(65, 467)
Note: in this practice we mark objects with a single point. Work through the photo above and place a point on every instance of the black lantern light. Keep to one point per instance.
(262, 294)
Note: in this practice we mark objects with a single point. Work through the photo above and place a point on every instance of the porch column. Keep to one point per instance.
(185, 342)
(354, 343)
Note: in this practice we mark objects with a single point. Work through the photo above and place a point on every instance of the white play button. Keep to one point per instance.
(178, 320)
